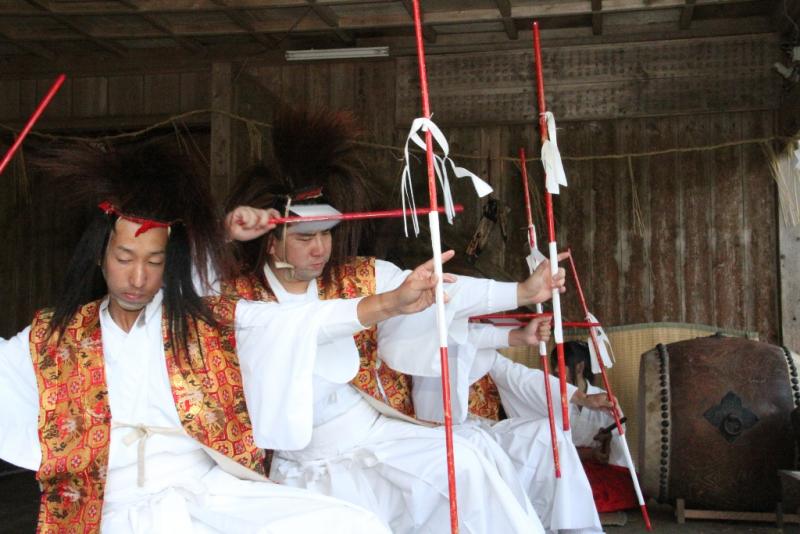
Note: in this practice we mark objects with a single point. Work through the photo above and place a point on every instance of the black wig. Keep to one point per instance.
(145, 181)
(312, 149)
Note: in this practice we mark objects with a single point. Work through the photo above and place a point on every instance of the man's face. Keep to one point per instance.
(134, 266)
(308, 253)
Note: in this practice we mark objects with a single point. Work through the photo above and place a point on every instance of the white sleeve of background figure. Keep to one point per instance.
(410, 343)
(522, 389)
(19, 403)
(469, 362)
(277, 346)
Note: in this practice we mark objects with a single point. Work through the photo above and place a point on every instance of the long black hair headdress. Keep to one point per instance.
(312, 150)
(150, 183)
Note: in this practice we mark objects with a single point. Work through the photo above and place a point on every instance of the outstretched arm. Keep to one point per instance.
(415, 293)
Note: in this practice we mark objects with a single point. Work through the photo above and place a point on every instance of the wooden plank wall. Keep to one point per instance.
(106, 101)
(704, 230)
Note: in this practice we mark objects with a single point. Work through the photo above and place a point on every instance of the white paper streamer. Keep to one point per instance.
(551, 158)
(534, 259)
(797, 157)
(604, 344)
(440, 165)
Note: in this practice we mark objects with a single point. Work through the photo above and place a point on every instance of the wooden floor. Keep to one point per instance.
(19, 500)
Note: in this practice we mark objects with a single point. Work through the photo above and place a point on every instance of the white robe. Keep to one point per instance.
(184, 490)
(396, 468)
(564, 504)
(585, 424)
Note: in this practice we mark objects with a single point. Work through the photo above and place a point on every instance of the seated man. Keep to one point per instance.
(365, 446)
(145, 407)
(600, 448)
(486, 385)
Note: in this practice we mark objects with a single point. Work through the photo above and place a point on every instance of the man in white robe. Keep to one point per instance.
(158, 479)
(564, 504)
(395, 467)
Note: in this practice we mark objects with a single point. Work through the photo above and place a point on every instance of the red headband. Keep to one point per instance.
(146, 224)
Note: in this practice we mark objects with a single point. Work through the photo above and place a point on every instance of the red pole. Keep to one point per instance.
(433, 218)
(551, 232)
(542, 346)
(358, 216)
(31, 121)
(611, 398)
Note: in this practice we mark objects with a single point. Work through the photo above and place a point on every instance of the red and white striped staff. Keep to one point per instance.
(32, 120)
(359, 215)
(612, 399)
(533, 261)
(552, 182)
(433, 219)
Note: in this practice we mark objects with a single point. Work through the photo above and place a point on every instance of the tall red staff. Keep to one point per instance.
(615, 408)
(558, 331)
(32, 120)
(533, 261)
(433, 218)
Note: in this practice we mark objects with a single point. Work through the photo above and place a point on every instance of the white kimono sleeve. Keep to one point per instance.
(410, 343)
(522, 390)
(468, 362)
(277, 348)
(19, 403)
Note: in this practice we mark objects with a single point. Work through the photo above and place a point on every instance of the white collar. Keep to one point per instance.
(153, 307)
(284, 296)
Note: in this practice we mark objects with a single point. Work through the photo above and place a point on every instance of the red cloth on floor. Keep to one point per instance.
(611, 486)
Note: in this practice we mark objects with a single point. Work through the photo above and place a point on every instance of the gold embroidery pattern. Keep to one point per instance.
(484, 399)
(74, 423)
(207, 387)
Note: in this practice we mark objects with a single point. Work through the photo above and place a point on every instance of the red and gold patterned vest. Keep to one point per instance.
(75, 418)
(484, 399)
(353, 279)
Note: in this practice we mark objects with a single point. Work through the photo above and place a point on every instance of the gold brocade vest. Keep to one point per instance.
(353, 279)
(484, 399)
(75, 418)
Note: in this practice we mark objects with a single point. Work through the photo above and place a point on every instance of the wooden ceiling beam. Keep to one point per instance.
(597, 17)
(74, 26)
(186, 42)
(428, 33)
(686, 15)
(29, 46)
(329, 17)
(504, 7)
(260, 29)
(526, 9)
(241, 20)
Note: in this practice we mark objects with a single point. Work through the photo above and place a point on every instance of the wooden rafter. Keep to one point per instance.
(597, 17)
(428, 33)
(29, 46)
(504, 7)
(186, 42)
(686, 14)
(244, 22)
(330, 18)
(68, 22)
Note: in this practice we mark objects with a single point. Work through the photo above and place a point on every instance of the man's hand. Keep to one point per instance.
(595, 401)
(539, 286)
(417, 292)
(536, 330)
(245, 223)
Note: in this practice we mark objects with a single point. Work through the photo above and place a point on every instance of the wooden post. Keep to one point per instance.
(789, 249)
(789, 238)
(221, 159)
